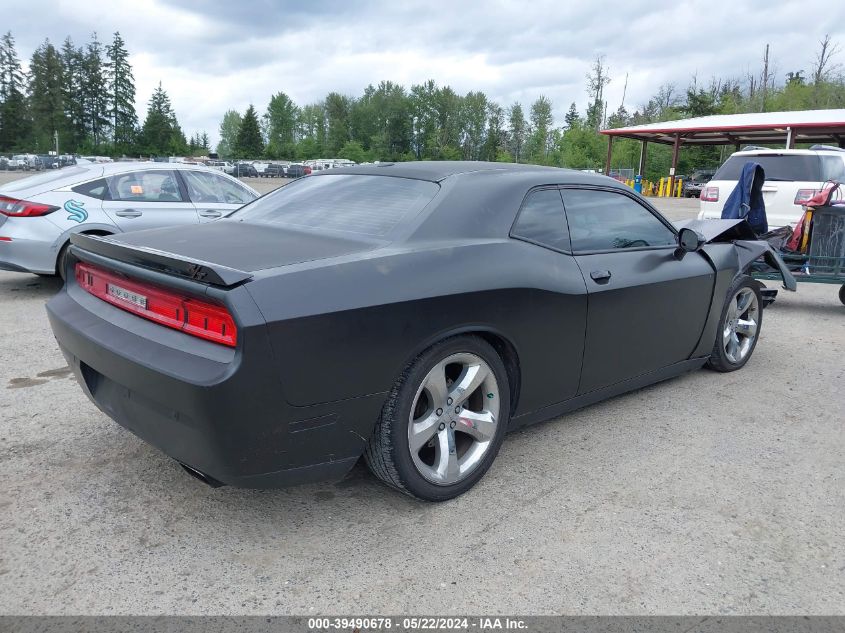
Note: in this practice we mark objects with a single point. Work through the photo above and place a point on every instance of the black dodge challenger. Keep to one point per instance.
(412, 313)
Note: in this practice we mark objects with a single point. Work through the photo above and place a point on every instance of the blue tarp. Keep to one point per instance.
(746, 200)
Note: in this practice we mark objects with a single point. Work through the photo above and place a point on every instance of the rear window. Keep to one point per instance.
(356, 204)
(777, 167)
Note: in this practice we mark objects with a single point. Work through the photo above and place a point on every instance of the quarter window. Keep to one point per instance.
(94, 189)
(604, 220)
(211, 188)
(145, 186)
(541, 220)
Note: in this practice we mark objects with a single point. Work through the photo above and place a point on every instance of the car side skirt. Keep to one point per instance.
(604, 393)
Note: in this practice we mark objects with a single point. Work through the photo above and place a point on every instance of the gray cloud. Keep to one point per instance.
(211, 56)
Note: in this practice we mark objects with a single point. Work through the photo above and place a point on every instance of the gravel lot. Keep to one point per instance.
(710, 493)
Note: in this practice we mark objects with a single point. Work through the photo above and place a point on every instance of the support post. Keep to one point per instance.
(643, 151)
(609, 154)
(675, 149)
(790, 139)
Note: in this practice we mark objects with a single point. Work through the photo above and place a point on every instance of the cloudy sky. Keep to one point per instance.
(214, 55)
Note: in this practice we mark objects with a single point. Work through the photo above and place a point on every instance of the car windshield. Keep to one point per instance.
(356, 204)
(777, 167)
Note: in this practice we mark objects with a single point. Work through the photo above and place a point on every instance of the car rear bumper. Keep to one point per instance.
(27, 255)
(202, 404)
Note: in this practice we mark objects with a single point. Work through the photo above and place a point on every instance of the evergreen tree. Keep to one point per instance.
(121, 86)
(204, 143)
(96, 98)
(14, 118)
(249, 143)
(572, 118)
(161, 134)
(72, 98)
(45, 96)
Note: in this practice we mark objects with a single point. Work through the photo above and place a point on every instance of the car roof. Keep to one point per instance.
(436, 171)
(794, 152)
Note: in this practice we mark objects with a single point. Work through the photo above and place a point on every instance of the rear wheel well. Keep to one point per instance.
(64, 247)
(507, 353)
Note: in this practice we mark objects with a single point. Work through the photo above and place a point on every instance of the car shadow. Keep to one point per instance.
(20, 285)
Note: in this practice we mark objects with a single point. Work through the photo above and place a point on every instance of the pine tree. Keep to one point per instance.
(249, 143)
(121, 83)
(14, 117)
(161, 134)
(96, 99)
(45, 96)
(205, 143)
(72, 97)
(572, 118)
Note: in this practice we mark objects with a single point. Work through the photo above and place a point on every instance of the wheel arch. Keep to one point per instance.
(65, 240)
(501, 343)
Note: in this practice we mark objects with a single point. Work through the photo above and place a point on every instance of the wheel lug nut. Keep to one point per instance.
(442, 426)
(448, 401)
(452, 424)
(457, 409)
(440, 412)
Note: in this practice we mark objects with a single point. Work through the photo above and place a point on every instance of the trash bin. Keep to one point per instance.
(827, 243)
(638, 183)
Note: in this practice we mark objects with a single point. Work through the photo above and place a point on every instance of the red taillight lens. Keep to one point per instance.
(23, 208)
(710, 194)
(804, 195)
(306, 171)
(205, 320)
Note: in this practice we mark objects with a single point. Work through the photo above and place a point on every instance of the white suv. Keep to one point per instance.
(793, 176)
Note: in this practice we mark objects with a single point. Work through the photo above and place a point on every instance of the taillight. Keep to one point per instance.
(209, 321)
(710, 194)
(804, 195)
(307, 171)
(24, 208)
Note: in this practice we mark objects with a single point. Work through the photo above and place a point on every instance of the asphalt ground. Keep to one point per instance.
(706, 494)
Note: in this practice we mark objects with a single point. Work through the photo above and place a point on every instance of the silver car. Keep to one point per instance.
(39, 214)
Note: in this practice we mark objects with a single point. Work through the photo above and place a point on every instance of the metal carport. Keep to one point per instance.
(789, 128)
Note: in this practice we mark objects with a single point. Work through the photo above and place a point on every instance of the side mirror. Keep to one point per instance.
(689, 241)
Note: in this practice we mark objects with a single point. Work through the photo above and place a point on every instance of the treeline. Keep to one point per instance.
(84, 97)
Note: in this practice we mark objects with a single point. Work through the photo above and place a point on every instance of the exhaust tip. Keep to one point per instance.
(193, 472)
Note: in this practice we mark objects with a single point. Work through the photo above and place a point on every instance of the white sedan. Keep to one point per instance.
(39, 214)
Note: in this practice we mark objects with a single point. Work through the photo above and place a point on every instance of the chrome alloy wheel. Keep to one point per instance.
(453, 418)
(741, 324)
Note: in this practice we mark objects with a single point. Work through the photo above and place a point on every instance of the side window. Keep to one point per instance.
(212, 188)
(604, 220)
(94, 189)
(542, 220)
(145, 186)
(833, 168)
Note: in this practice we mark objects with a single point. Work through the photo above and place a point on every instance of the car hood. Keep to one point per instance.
(243, 246)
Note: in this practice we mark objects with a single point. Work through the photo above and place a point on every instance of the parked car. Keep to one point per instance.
(245, 170)
(297, 170)
(39, 214)
(412, 313)
(793, 176)
(692, 186)
(273, 171)
(49, 162)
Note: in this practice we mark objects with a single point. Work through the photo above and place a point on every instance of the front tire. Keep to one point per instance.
(739, 326)
(443, 422)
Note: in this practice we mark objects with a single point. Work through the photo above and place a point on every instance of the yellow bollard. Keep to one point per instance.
(660, 190)
(679, 187)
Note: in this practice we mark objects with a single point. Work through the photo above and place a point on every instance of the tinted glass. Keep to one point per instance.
(542, 220)
(833, 168)
(211, 188)
(604, 220)
(145, 186)
(776, 166)
(94, 189)
(363, 205)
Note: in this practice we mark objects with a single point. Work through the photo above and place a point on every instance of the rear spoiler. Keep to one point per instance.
(161, 261)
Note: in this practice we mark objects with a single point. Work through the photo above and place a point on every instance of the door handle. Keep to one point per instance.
(211, 213)
(128, 213)
(600, 276)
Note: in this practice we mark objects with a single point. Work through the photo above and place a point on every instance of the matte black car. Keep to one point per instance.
(410, 313)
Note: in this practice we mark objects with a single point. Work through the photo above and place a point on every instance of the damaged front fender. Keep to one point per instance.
(748, 248)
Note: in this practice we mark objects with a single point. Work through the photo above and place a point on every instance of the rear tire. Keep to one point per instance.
(61, 261)
(443, 421)
(739, 326)
(842, 294)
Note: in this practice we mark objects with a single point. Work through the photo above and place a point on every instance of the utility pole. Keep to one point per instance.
(56, 142)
